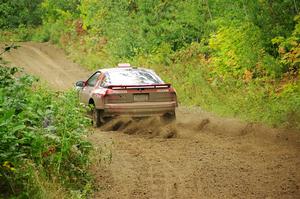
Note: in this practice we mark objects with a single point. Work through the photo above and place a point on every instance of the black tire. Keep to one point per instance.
(97, 114)
(169, 117)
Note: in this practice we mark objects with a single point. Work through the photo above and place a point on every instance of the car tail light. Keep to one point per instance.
(172, 90)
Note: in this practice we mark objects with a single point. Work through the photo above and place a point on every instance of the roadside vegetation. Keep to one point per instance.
(43, 150)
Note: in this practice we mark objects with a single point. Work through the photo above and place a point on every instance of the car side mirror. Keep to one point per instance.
(79, 84)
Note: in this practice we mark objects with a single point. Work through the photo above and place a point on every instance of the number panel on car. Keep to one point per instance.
(140, 97)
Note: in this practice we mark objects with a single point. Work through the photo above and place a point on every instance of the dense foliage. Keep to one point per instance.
(15, 13)
(232, 57)
(42, 144)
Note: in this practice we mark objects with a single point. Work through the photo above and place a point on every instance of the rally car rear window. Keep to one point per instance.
(131, 77)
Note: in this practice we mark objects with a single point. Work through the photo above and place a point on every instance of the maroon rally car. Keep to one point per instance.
(127, 91)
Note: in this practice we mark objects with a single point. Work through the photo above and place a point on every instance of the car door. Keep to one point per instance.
(85, 93)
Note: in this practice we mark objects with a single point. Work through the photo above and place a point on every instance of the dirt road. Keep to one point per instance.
(47, 62)
(200, 156)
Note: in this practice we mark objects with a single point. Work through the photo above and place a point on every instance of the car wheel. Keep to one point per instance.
(169, 117)
(97, 114)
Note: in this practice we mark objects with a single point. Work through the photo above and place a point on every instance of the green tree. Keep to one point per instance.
(14, 13)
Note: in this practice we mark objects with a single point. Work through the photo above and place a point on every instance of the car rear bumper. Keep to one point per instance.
(139, 109)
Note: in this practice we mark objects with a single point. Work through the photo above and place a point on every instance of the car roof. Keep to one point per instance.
(103, 70)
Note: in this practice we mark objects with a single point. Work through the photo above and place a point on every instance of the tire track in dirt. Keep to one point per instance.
(206, 164)
(204, 157)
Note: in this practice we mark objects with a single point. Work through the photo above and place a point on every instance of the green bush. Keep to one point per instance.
(289, 49)
(14, 13)
(239, 48)
(42, 138)
(21, 33)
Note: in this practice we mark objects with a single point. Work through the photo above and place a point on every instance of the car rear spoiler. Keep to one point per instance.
(148, 86)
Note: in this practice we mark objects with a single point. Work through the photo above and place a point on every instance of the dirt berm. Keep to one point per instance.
(199, 156)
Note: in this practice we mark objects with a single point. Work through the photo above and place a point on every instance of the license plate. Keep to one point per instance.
(140, 97)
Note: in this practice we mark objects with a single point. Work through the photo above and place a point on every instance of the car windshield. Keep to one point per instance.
(131, 77)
